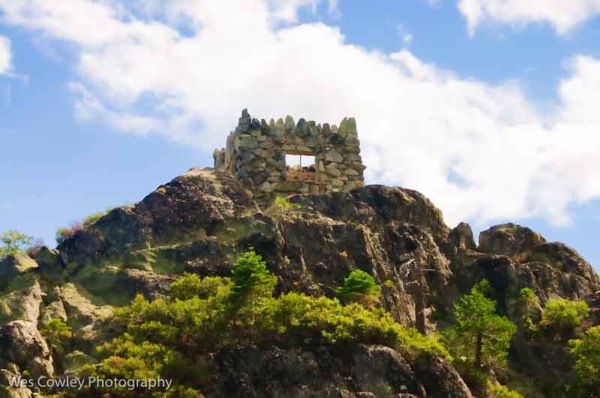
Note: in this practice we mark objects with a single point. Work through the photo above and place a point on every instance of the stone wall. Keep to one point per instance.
(255, 155)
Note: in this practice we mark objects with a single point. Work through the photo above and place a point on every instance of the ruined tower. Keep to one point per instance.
(325, 158)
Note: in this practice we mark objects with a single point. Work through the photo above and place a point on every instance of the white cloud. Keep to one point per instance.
(479, 151)
(562, 15)
(5, 56)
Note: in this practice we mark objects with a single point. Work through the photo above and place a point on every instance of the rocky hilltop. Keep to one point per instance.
(200, 221)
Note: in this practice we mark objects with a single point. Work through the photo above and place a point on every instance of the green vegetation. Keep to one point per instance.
(527, 305)
(499, 391)
(560, 317)
(57, 333)
(64, 233)
(13, 242)
(13, 299)
(359, 287)
(251, 280)
(586, 354)
(174, 336)
(92, 218)
(479, 335)
(284, 204)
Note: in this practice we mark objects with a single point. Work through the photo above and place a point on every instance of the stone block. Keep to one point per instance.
(244, 122)
(265, 129)
(245, 141)
(336, 139)
(333, 172)
(266, 187)
(334, 156)
(352, 130)
(286, 186)
(343, 130)
(302, 129)
(289, 124)
(279, 129)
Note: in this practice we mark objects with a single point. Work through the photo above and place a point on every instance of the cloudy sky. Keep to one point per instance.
(489, 107)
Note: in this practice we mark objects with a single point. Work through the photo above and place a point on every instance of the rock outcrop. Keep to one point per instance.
(14, 266)
(356, 371)
(22, 344)
(199, 222)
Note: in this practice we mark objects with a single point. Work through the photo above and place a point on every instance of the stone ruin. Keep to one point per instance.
(256, 153)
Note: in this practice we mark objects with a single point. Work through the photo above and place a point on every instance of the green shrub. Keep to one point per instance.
(284, 204)
(500, 391)
(189, 286)
(359, 287)
(561, 316)
(14, 242)
(527, 306)
(57, 333)
(65, 233)
(174, 336)
(251, 279)
(586, 354)
(92, 218)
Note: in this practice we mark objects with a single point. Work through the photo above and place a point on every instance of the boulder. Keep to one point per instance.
(23, 302)
(461, 237)
(7, 377)
(352, 371)
(14, 266)
(440, 379)
(509, 240)
(22, 344)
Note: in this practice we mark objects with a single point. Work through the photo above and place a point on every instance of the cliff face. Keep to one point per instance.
(199, 222)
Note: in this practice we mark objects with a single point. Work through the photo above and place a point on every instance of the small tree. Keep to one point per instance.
(479, 334)
(14, 242)
(586, 354)
(359, 287)
(561, 316)
(528, 305)
(252, 282)
(57, 333)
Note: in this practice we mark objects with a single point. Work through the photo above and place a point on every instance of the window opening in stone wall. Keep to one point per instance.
(300, 167)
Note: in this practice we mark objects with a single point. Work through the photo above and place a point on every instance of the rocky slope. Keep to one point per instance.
(199, 222)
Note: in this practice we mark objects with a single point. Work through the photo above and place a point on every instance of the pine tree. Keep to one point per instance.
(252, 282)
(479, 333)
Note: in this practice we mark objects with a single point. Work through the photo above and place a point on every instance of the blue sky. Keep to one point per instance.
(486, 106)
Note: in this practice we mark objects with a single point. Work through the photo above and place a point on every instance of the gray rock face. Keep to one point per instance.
(6, 377)
(23, 302)
(22, 344)
(14, 266)
(461, 237)
(508, 240)
(354, 371)
(441, 379)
